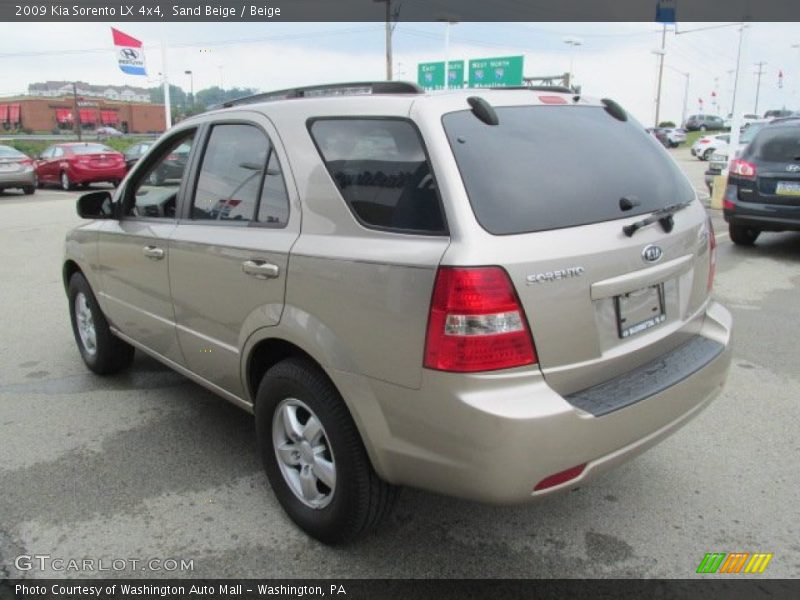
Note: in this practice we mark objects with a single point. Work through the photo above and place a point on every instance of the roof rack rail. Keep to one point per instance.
(358, 88)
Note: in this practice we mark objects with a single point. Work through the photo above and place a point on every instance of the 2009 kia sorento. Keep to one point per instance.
(493, 294)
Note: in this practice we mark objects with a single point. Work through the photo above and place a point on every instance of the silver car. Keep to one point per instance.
(413, 289)
(17, 170)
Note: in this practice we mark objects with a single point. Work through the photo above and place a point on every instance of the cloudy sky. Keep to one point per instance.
(614, 59)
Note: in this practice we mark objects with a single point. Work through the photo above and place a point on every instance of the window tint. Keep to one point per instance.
(273, 209)
(559, 166)
(777, 144)
(155, 192)
(231, 173)
(380, 168)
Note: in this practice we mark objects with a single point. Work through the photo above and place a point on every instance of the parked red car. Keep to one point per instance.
(79, 163)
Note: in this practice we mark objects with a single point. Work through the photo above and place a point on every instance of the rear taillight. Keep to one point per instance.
(25, 162)
(712, 255)
(742, 168)
(704, 142)
(476, 322)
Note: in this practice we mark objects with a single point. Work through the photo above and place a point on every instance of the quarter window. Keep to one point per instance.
(382, 172)
(274, 207)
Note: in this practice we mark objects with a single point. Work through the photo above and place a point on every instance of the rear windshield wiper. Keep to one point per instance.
(662, 215)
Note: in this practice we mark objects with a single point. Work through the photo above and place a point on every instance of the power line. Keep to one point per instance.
(203, 44)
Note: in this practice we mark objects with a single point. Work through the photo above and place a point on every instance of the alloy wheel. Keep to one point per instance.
(85, 321)
(304, 453)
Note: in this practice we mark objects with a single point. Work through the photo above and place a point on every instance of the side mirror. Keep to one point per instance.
(95, 205)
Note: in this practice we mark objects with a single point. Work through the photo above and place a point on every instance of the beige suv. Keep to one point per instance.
(492, 294)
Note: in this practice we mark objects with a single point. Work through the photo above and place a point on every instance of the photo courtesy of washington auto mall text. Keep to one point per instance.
(399, 299)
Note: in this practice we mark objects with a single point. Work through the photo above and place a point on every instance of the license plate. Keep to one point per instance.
(788, 188)
(640, 310)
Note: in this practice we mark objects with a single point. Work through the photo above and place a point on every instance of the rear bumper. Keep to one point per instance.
(765, 217)
(492, 437)
(17, 179)
(87, 175)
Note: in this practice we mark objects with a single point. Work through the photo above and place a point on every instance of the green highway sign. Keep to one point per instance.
(430, 76)
(496, 72)
(455, 70)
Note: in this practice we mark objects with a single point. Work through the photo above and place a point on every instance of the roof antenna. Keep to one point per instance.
(483, 110)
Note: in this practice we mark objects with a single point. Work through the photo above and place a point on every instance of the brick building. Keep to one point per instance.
(45, 114)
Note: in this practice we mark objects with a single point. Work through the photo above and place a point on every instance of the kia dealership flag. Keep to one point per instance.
(129, 53)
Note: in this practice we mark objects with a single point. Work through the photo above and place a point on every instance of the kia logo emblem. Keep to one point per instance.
(129, 53)
(652, 253)
(793, 168)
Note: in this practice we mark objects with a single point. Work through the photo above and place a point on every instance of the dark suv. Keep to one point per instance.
(704, 123)
(763, 191)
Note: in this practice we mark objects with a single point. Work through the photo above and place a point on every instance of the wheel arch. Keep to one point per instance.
(70, 268)
(268, 346)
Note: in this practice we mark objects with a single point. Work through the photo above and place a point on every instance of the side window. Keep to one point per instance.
(155, 191)
(57, 152)
(231, 174)
(382, 172)
(47, 153)
(273, 210)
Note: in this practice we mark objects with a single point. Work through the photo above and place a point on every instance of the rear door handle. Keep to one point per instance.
(260, 269)
(153, 252)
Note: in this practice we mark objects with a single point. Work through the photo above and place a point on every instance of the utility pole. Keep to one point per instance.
(660, 71)
(390, 16)
(760, 72)
(75, 111)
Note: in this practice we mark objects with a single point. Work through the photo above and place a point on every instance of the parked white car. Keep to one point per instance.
(705, 146)
(675, 136)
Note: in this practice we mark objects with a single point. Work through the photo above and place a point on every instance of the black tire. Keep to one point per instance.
(65, 182)
(707, 154)
(743, 235)
(359, 500)
(28, 190)
(110, 354)
(703, 128)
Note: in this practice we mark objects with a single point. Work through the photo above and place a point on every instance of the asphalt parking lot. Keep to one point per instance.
(149, 465)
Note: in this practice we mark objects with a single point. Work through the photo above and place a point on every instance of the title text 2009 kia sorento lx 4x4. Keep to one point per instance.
(492, 294)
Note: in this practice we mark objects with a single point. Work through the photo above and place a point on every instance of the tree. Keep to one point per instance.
(177, 97)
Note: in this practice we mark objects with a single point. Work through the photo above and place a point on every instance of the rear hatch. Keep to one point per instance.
(12, 161)
(772, 163)
(552, 188)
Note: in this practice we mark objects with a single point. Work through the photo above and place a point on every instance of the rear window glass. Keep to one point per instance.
(90, 149)
(382, 172)
(549, 167)
(776, 144)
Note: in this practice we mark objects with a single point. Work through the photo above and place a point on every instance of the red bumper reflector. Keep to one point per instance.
(559, 478)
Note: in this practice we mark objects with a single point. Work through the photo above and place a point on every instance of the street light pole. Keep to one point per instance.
(660, 71)
(191, 87)
(760, 72)
(573, 43)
